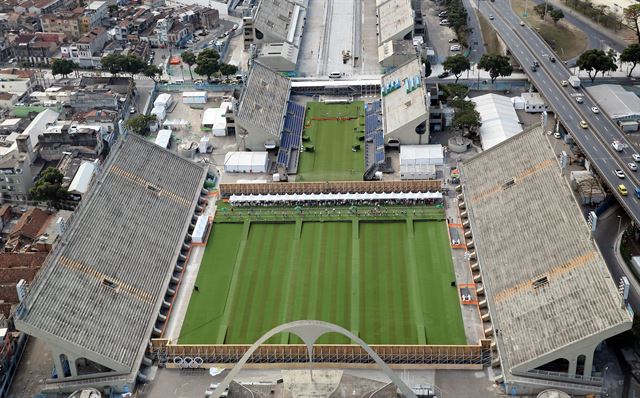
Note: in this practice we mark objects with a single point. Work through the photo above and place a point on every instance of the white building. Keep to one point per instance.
(82, 180)
(163, 139)
(246, 162)
(194, 97)
(395, 20)
(534, 103)
(281, 57)
(405, 106)
(619, 104)
(499, 119)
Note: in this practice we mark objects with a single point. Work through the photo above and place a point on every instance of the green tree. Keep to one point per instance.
(594, 61)
(631, 14)
(496, 65)
(542, 9)
(139, 124)
(63, 67)
(207, 63)
(132, 64)
(49, 188)
(152, 71)
(112, 63)
(456, 64)
(631, 54)
(452, 90)
(189, 58)
(556, 15)
(466, 115)
(228, 70)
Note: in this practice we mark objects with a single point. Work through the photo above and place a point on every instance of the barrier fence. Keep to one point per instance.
(226, 190)
(350, 356)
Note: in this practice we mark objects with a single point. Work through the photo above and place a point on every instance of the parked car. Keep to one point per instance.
(132, 109)
(443, 75)
(557, 135)
(454, 40)
(564, 83)
(455, 47)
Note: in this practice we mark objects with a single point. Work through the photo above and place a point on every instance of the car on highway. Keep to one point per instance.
(534, 68)
(557, 135)
(595, 109)
(636, 157)
(443, 75)
(491, 17)
(632, 166)
(583, 124)
(455, 47)
(579, 100)
(619, 173)
(521, 23)
(617, 145)
(622, 189)
(552, 59)
(235, 27)
(564, 83)
(536, 63)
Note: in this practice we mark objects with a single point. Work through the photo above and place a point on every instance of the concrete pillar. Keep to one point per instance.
(588, 363)
(572, 366)
(58, 364)
(72, 366)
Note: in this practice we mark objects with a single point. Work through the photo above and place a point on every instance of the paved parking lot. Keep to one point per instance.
(438, 36)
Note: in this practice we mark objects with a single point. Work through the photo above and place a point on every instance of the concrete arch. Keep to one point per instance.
(309, 331)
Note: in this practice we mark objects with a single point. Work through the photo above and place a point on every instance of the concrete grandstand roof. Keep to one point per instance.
(264, 100)
(395, 20)
(278, 17)
(499, 119)
(399, 106)
(547, 284)
(616, 101)
(99, 294)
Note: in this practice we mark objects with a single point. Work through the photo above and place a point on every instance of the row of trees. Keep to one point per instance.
(131, 64)
(207, 63)
(496, 65)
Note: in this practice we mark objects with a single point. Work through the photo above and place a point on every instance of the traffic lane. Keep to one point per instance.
(609, 131)
(558, 68)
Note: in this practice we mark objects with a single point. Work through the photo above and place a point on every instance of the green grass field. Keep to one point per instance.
(333, 159)
(387, 281)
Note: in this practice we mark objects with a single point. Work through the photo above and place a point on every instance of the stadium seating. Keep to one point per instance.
(291, 136)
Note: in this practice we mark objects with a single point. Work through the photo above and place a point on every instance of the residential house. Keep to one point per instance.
(93, 15)
(17, 81)
(67, 22)
(87, 50)
(37, 48)
(7, 100)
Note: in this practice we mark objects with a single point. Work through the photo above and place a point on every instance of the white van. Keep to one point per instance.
(617, 145)
(335, 75)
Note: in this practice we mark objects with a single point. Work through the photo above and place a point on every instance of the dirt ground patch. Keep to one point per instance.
(491, 41)
(567, 40)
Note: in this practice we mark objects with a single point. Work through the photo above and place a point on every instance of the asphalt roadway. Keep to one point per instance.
(595, 141)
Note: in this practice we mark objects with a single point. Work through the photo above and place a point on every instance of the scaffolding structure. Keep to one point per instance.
(324, 355)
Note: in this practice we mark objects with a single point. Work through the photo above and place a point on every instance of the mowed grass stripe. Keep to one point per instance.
(242, 312)
(303, 280)
(206, 307)
(289, 281)
(440, 301)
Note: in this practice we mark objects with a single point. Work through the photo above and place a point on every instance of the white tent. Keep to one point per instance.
(421, 154)
(269, 198)
(159, 112)
(214, 119)
(194, 97)
(246, 162)
(200, 230)
(163, 138)
(499, 119)
(82, 179)
(164, 100)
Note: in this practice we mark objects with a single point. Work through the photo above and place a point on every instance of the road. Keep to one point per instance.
(595, 141)
(476, 42)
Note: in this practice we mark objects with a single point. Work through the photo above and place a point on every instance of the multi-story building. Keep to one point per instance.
(17, 81)
(169, 32)
(36, 48)
(67, 22)
(66, 136)
(93, 15)
(86, 52)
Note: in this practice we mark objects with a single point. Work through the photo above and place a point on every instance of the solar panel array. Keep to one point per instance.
(373, 129)
(292, 132)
